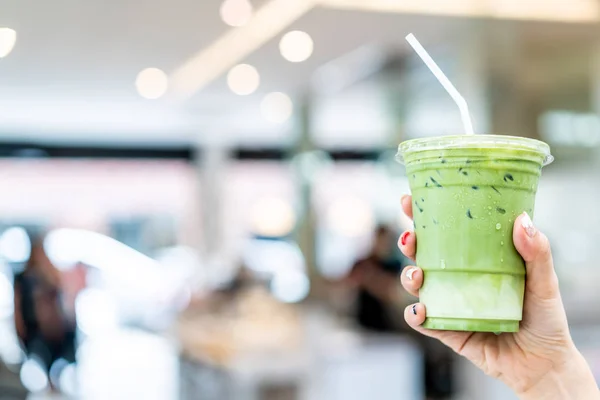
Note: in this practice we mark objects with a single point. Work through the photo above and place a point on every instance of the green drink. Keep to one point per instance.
(467, 192)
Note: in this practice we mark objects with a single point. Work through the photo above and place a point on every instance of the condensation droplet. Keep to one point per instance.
(501, 243)
(443, 264)
(502, 260)
(498, 226)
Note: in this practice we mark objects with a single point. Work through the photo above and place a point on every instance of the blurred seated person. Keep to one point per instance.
(40, 320)
(243, 279)
(376, 278)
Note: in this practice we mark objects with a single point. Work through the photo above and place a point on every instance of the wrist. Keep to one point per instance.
(571, 380)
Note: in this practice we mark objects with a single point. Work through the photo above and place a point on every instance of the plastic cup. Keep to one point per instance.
(467, 192)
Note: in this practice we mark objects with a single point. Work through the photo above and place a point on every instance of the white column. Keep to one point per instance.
(212, 164)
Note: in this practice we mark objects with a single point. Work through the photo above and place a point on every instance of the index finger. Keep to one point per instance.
(406, 202)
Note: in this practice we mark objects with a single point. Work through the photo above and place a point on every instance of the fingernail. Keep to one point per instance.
(402, 198)
(410, 272)
(404, 238)
(414, 309)
(527, 225)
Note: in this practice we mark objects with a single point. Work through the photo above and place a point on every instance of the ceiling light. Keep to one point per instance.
(243, 79)
(236, 44)
(236, 12)
(545, 10)
(8, 38)
(152, 83)
(277, 107)
(296, 46)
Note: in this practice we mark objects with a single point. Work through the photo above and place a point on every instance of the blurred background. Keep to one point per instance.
(192, 191)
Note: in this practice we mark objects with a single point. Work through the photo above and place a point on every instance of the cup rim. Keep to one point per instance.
(474, 142)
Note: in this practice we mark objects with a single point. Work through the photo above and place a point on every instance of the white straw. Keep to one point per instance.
(460, 101)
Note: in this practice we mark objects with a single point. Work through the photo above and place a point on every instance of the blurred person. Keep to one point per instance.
(42, 325)
(376, 277)
(243, 279)
(73, 282)
(541, 360)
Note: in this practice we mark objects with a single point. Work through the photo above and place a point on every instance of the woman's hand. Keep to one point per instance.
(538, 362)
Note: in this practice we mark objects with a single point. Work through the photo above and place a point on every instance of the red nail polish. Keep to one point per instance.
(404, 238)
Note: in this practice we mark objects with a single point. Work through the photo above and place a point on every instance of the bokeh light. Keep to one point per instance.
(15, 245)
(350, 216)
(272, 216)
(243, 79)
(277, 107)
(290, 286)
(296, 46)
(273, 256)
(33, 376)
(8, 38)
(152, 83)
(236, 12)
(96, 312)
(6, 297)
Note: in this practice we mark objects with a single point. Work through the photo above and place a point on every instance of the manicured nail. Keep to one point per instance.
(402, 198)
(414, 309)
(410, 272)
(527, 225)
(404, 238)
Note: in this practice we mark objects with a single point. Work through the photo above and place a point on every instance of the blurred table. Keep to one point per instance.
(327, 362)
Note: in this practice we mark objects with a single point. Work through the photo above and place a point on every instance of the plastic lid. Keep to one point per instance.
(474, 142)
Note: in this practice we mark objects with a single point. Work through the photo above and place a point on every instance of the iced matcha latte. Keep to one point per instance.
(467, 192)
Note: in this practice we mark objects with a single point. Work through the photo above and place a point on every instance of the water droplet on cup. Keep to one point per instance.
(501, 243)
(443, 262)
(498, 226)
(502, 260)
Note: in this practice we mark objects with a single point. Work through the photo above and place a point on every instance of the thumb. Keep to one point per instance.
(535, 250)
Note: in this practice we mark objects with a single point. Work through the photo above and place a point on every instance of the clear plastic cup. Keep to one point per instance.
(467, 192)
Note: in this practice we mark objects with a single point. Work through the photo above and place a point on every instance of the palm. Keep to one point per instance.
(522, 358)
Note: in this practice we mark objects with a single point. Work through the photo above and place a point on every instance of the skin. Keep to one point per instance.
(538, 362)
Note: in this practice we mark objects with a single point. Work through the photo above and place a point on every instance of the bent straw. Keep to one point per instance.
(460, 101)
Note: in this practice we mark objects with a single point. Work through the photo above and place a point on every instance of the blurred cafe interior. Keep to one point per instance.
(188, 187)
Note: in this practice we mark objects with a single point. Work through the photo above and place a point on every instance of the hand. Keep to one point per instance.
(539, 360)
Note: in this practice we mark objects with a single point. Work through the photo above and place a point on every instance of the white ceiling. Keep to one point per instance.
(71, 74)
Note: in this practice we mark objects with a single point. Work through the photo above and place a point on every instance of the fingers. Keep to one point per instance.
(535, 250)
(412, 280)
(408, 241)
(408, 244)
(467, 344)
(415, 316)
(406, 202)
